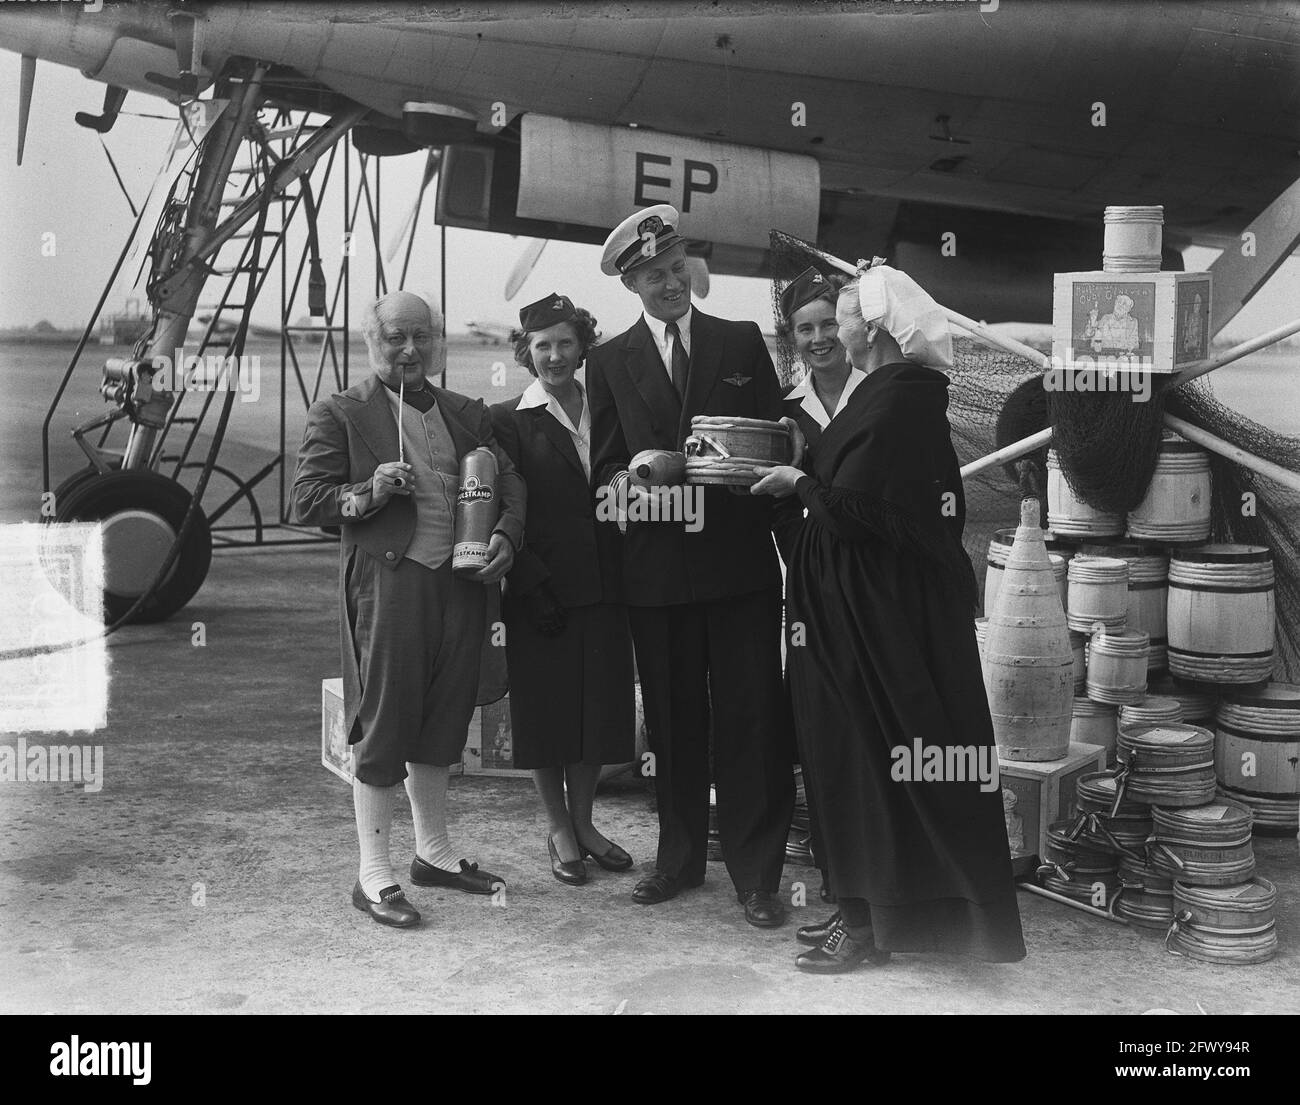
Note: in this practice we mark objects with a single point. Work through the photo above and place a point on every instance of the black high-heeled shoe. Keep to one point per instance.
(613, 860)
(572, 872)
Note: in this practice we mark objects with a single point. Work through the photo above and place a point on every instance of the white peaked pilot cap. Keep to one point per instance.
(908, 314)
(639, 238)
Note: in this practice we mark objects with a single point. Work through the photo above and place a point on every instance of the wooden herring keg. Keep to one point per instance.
(724, 450)
(1000, 546)
(1148, 595)
(1167, 764)
(1176, 508)
(1070, 516)
(1150, 709)
(981, 640)
(1098, 593)
(1027, 653)
(1093, 722)
(1221, 614)
(1117, 666)
(1121, 825)
(1079, 651)
(1225, 924)
(1204, 845)
(1146, 898)
(1076, 868)
(1257, 755)
(1132, 238)
(1198, 705)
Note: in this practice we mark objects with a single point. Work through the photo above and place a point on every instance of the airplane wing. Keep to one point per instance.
(999, 129)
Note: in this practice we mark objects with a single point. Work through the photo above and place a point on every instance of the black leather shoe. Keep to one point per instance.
(815, 935)
(391, 909)
(656, 888)
(469, 878)
(614, 860)
(840, 953)
(573, 872)
(763, 909)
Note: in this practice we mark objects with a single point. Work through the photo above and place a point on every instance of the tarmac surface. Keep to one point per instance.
(212, 873)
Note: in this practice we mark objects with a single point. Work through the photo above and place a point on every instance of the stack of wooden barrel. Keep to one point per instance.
(1177, 643)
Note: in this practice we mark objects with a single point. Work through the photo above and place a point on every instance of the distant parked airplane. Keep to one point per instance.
(490, 333)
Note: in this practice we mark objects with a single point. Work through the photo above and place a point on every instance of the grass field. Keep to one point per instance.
(1265, 387)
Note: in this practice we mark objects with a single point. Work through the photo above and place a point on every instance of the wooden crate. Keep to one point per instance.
(1167, 327)
(489, 750)
(335, 752)
(1043, 793)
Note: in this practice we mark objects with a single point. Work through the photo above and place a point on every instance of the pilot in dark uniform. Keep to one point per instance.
(704, 603)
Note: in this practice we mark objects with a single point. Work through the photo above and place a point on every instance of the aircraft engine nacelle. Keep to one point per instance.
(576, 180)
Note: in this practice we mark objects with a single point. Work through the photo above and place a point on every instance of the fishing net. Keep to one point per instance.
(1107, 445)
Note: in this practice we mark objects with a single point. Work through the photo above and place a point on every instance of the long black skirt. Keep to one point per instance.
(886, 657)
(572, 698)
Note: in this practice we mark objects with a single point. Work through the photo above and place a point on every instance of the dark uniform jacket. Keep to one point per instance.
(564, 546)
(634, 406)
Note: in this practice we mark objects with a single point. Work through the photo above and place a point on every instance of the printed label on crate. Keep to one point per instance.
(1192, 327)
(1114, 322)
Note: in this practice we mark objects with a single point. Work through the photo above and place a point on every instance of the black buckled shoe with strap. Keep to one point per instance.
(469, 878)
(841, 952)
(392, 908)
(815, 935)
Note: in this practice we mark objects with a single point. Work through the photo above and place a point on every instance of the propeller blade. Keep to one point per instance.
(698, 267)
(26, 82)
(431, 163)
(524, 266)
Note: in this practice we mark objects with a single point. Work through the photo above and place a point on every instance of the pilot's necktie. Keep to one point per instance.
(681, 363)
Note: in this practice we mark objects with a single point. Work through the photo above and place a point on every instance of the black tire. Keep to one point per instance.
(68, 486)
(102, 495)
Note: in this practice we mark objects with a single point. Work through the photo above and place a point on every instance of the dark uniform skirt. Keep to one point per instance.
(571, 696)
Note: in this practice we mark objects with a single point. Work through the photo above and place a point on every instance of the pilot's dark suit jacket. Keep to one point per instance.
(634, 406)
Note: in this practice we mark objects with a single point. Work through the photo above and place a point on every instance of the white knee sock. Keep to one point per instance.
(374, 810)
(426, 787)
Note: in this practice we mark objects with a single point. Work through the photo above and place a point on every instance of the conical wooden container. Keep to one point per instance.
(1029, 664)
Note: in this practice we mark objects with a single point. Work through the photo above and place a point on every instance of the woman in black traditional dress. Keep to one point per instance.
(884, 666)
(807, 322)
(568, 646)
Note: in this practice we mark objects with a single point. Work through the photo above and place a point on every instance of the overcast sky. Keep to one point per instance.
(66, 187)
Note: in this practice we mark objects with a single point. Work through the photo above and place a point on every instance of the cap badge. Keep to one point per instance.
(652, 225)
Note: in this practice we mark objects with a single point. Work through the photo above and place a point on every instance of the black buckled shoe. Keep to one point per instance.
(572, 872)
(614, 860)
(469, 878)
(391, 909)
(763, 909)
(841, 952)
(815, 935)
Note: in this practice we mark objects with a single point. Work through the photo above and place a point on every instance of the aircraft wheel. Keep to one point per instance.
(68, 486)
(141, 513)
